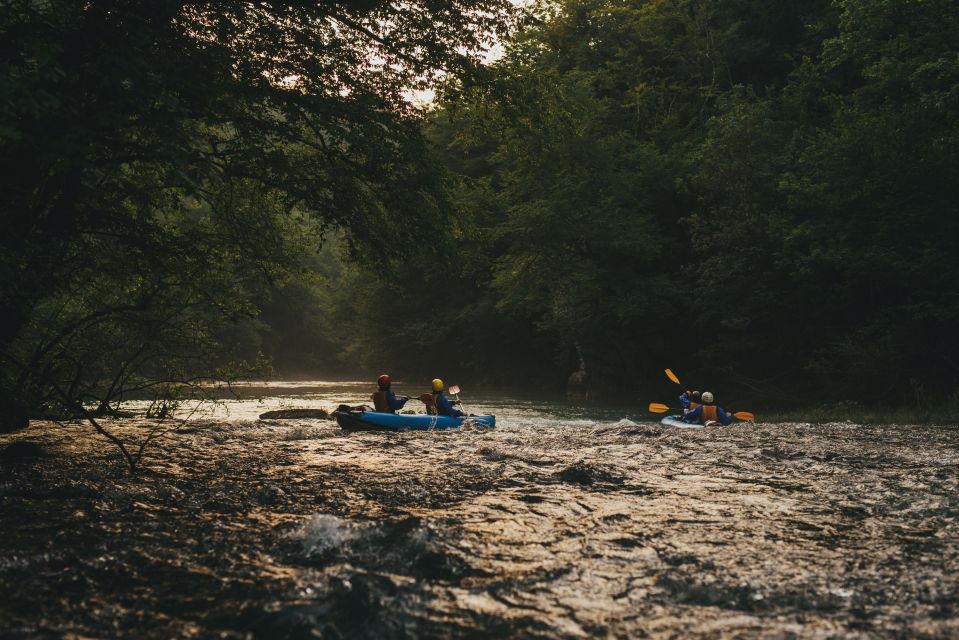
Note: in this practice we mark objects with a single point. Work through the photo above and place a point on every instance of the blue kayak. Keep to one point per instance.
(376, 421)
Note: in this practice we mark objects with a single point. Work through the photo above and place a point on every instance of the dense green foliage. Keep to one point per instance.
(165, 163)
(760, 194)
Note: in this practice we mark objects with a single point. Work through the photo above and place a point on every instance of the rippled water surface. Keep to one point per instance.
(561, 522)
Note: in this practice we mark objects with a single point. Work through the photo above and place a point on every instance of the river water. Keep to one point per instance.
(562, 522)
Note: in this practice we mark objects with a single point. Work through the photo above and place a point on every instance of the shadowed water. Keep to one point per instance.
(561, 522)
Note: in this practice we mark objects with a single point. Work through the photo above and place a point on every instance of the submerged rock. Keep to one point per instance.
(585, 473)
(295, 414)
(22, 450)
(271, 494)
(354, 606)
(13, 419)
(292, 622)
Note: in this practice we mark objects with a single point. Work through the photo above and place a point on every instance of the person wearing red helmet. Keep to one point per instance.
(384, 400)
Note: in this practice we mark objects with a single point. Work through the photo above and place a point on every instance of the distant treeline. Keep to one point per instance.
(761, 193)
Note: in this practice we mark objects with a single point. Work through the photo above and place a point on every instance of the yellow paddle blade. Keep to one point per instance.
(655, 407)
(672, 376)
(745, 415)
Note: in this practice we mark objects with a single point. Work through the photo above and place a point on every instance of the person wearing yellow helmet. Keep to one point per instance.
(437, 403)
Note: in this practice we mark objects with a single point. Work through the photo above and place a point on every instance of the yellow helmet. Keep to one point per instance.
(437, 384)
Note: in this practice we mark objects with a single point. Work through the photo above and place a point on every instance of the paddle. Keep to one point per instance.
(455, 390)
(672, 376)
(656, 407)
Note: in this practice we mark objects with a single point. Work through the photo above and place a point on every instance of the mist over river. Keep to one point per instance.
(561, 522)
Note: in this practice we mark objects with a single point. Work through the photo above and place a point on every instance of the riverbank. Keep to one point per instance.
(941, 414)
(286, 528)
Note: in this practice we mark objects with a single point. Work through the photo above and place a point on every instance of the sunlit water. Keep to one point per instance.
(247, 401)
(562, 522)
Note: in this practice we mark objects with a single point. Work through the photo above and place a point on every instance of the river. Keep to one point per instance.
(562, 522)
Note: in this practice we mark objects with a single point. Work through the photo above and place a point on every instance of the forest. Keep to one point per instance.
(760, 194)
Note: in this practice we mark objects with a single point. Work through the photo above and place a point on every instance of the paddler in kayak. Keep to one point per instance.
(708, 412)
(384, 400)
(438, 404)
(689, 400)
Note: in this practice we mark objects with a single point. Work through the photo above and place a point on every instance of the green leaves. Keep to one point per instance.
(164, 163)
(765, 185)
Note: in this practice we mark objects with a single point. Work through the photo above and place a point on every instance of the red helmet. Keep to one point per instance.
(383, 381)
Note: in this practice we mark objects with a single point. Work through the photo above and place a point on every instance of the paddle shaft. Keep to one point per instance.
(460, 402)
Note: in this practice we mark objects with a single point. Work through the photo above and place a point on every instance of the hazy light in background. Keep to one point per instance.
(423, 98)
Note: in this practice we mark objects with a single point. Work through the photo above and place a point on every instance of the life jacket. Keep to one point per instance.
(380, 402)
(429, 399)
(710, 413)
(692, 407)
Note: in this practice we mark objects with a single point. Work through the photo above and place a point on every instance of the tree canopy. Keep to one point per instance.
(760, 193)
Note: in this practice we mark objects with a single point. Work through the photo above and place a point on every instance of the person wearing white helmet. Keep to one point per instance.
(708, 412)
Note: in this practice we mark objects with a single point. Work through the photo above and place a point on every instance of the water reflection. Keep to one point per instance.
(246, 401)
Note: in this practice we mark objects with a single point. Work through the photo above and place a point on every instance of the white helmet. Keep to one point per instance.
(707, 397)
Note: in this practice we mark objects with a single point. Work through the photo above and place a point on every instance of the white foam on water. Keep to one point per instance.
(325, 532)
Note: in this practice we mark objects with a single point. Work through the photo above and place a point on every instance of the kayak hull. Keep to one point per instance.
(676, 421)
(377, 421)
